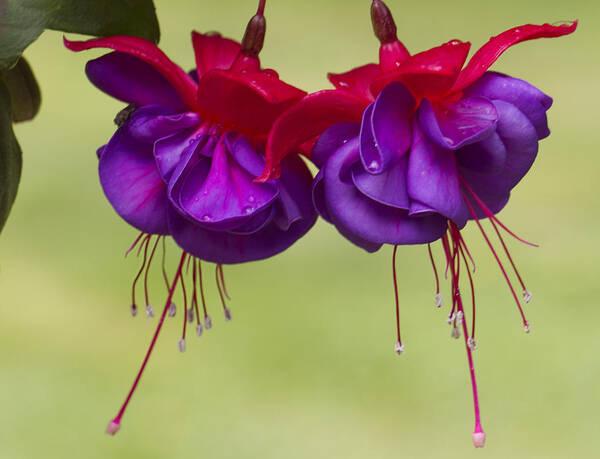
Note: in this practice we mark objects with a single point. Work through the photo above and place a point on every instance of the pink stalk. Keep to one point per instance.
(115, 424)
(399, 346)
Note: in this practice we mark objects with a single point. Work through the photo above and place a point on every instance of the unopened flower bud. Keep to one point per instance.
(383, 22)
(254, 36)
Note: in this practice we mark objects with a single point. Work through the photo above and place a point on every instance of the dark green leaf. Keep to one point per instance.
(22, 21)
(10, 157)
(24, 91)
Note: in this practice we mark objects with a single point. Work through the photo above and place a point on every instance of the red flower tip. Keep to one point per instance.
(383, 22)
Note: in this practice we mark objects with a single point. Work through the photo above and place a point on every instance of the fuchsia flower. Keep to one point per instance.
(186, 153)
(412, 148)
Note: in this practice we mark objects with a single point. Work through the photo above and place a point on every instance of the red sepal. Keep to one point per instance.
(357, 81)
(213, 52)
(488, 53)
(245, 102)
(429, 74)
(149, 53)
(306, 120)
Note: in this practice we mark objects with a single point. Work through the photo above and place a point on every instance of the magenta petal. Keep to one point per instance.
(355, 214)
(332, 139)
(227, 196)
(132, 184)
(526, 97)
(457, 124)
(388, 188)
(132, 80)
(433, 179)
(392, 122)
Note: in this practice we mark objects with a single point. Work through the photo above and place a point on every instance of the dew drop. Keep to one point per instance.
(455, 333)
(248, 209)
(251, 198)
(527, 296)
(206, 218)
(181, 344)
(207, 322)
(438, 300)
(399, 348)
(199, 330)
(373, 166)
(149, 311)
(172, 309)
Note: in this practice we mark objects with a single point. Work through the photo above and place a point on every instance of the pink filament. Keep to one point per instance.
(437, 280)
(144, 245)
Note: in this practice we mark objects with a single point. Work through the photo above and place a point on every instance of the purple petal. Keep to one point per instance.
(169, 151)
(355, 214)
(520, 140)
(131, 80)
(294, 201)
(388, 188)
(153, 122)
(457, 124)
(227, 196)
(318, 196)
(255, 223)
(132, 184)
(418, 208)
(246, 156)
(369, 154)
(526, 97)
(227, 247)
(433, 179)
(392, 123)
(332, 139)
(485, 157)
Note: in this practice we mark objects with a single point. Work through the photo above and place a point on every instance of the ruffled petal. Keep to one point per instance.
(153, 122)
(133, 81)
(152, 55)
(132, 184)
(169, 151)
(332, 139)
(227, 196)
(488, 53)
(228, 247)
(245, 155)
(429, 74)
(388, 188)
(392, 123)
(526, 97)
(294, 202)
(485, 157)
(355, 214)
(213, 52)
(520, 141)
(245, 102)
(432, 178)
(318, 196)
(306, 120)
(357, 81)
(456, 124)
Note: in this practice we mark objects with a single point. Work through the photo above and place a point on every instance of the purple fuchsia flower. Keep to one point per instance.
(412, 148)
(184, 158)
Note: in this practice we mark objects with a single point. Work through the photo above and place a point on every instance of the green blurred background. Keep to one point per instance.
(306, 369)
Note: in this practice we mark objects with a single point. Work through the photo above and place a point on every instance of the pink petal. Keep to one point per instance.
(245, 102)
(213, 52)
(357, 81)
(149, 53)
(306, 120)
(488, 53)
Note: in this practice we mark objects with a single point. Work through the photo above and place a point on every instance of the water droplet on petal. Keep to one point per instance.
(373, 166)
(199, 330)
(438, 300)
(172, 309)
(207, 322)
(206, 218)
(248, 209)
(181, 344)
(251, 198)
(399, 348)
(227, 313)
(190, 315)
(134, 310)
(527, 296)
(455, 333)
(149, 311)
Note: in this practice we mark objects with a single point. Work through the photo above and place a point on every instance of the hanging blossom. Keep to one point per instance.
(412, 148)
(183, 160)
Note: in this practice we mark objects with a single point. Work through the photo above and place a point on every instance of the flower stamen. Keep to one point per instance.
(399, 346)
